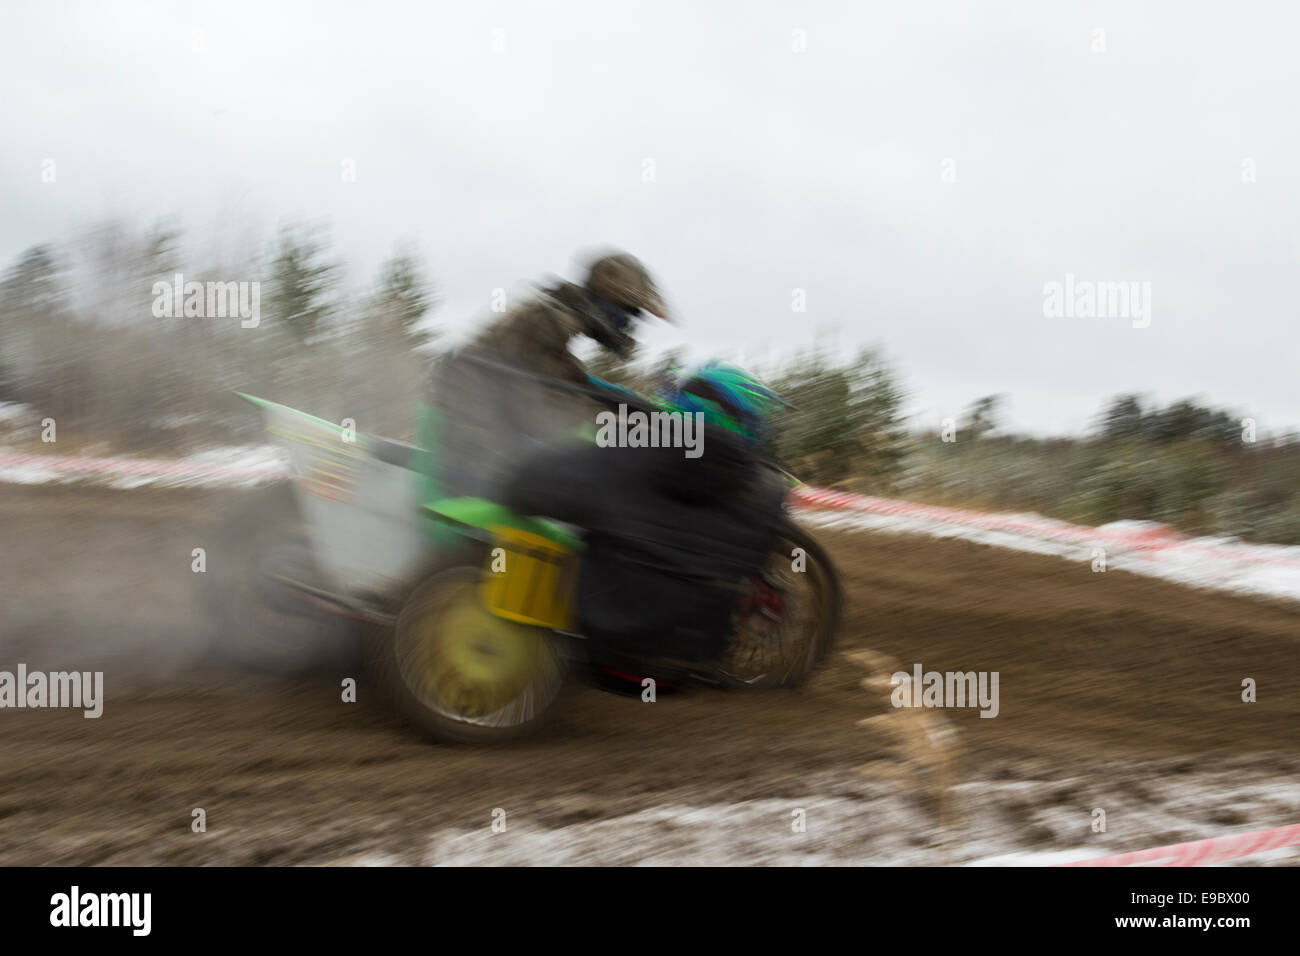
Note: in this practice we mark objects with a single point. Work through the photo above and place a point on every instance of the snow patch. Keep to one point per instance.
(856, 822)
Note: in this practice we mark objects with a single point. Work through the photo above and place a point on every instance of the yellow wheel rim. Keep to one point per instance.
(473, 665)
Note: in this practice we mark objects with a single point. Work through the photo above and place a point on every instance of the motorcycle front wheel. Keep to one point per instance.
(787, 619)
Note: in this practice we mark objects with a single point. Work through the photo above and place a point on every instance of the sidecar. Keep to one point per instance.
(359, 498)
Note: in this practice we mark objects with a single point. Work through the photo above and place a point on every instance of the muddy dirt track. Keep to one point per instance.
(1116, 691)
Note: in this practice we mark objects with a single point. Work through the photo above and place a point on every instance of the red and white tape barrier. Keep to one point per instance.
(1147, 539)
(1153, 537)
(1202, 852)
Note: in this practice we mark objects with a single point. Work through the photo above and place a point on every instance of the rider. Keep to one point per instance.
(490, 398)
(670, 540)
(535, 335)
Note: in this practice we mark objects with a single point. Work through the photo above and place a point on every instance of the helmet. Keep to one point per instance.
(728, 397)
(622, 281)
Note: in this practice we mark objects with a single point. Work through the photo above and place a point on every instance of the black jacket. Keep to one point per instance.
(670, 539)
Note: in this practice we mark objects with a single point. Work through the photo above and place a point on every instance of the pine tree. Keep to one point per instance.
(403, 298)
(304, 284)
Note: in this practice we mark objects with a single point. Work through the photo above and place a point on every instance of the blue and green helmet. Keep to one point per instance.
(728, 397)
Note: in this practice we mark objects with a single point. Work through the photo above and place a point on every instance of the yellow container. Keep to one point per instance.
(530, 579)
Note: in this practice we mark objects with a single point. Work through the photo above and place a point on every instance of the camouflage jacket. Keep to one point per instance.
(535, 334)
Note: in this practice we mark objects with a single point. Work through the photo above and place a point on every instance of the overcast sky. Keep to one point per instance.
(921, 170)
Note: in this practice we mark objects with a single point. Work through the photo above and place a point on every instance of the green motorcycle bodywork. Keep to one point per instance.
(488, 515)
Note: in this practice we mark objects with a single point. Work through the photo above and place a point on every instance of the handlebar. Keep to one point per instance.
(604, 392)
